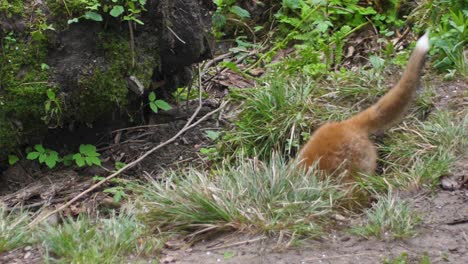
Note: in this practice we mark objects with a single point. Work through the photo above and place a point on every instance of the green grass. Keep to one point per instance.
(251, 196)
(390, 217)
(13, 231)
(417, 153)
(102, 240)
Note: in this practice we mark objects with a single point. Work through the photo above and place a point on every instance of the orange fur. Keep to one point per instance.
(345, 146)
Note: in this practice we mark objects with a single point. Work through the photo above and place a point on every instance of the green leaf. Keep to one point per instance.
(50, 162)
(142, 2)
(133, 18)
(39, 148)
(98, 178)
(53, 154)
(119, 165)
(67, 160)
(292, 4)
(239, 11)
(87, 149)
(206, 151)
(218, 20)
(153, 107)
(12, 159)
(163, 105)
(42, 157)
(44, 67)
(377, 62)
(213, 135)
(50, 94)
(152, 96)
(322, 26)
(32, 155)
(117, 11)
(93, 161)
(230, 65)
(79, 160)
(93, 16)
(71, 21)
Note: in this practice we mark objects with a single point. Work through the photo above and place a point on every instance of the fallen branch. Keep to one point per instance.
(188, 126)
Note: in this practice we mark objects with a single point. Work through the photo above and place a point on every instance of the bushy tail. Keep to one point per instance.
(393, 105)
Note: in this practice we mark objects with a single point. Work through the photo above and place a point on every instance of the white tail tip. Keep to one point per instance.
(423, 42)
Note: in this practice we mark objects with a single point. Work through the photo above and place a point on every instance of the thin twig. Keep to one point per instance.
(175, 35)
(135, 127)
(131, 164)
(240, 243)
(199, 100)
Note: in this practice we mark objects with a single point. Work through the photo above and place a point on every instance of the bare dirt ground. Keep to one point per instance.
(443, 234)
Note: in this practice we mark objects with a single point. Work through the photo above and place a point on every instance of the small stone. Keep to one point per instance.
(168, 259)
(27, 255)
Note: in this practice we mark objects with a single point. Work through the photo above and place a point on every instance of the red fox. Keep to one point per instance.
(345, 147)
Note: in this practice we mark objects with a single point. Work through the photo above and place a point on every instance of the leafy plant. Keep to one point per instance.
(118, 192)
(12, 159)
(227, 10)
(448, 21)
(87, 156)
(43, 155)
(155, 105)
(52, 108)
(128, 10)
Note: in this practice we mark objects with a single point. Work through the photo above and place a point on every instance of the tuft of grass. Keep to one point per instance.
(265, 197)
(390, 217)
(273, 118)
(13, 229)
(418, 154)
(84, 240)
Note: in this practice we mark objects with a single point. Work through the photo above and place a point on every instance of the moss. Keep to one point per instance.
(106, 90)
(7, 135)
(24, 85)
(12, 7)
(66, 10)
